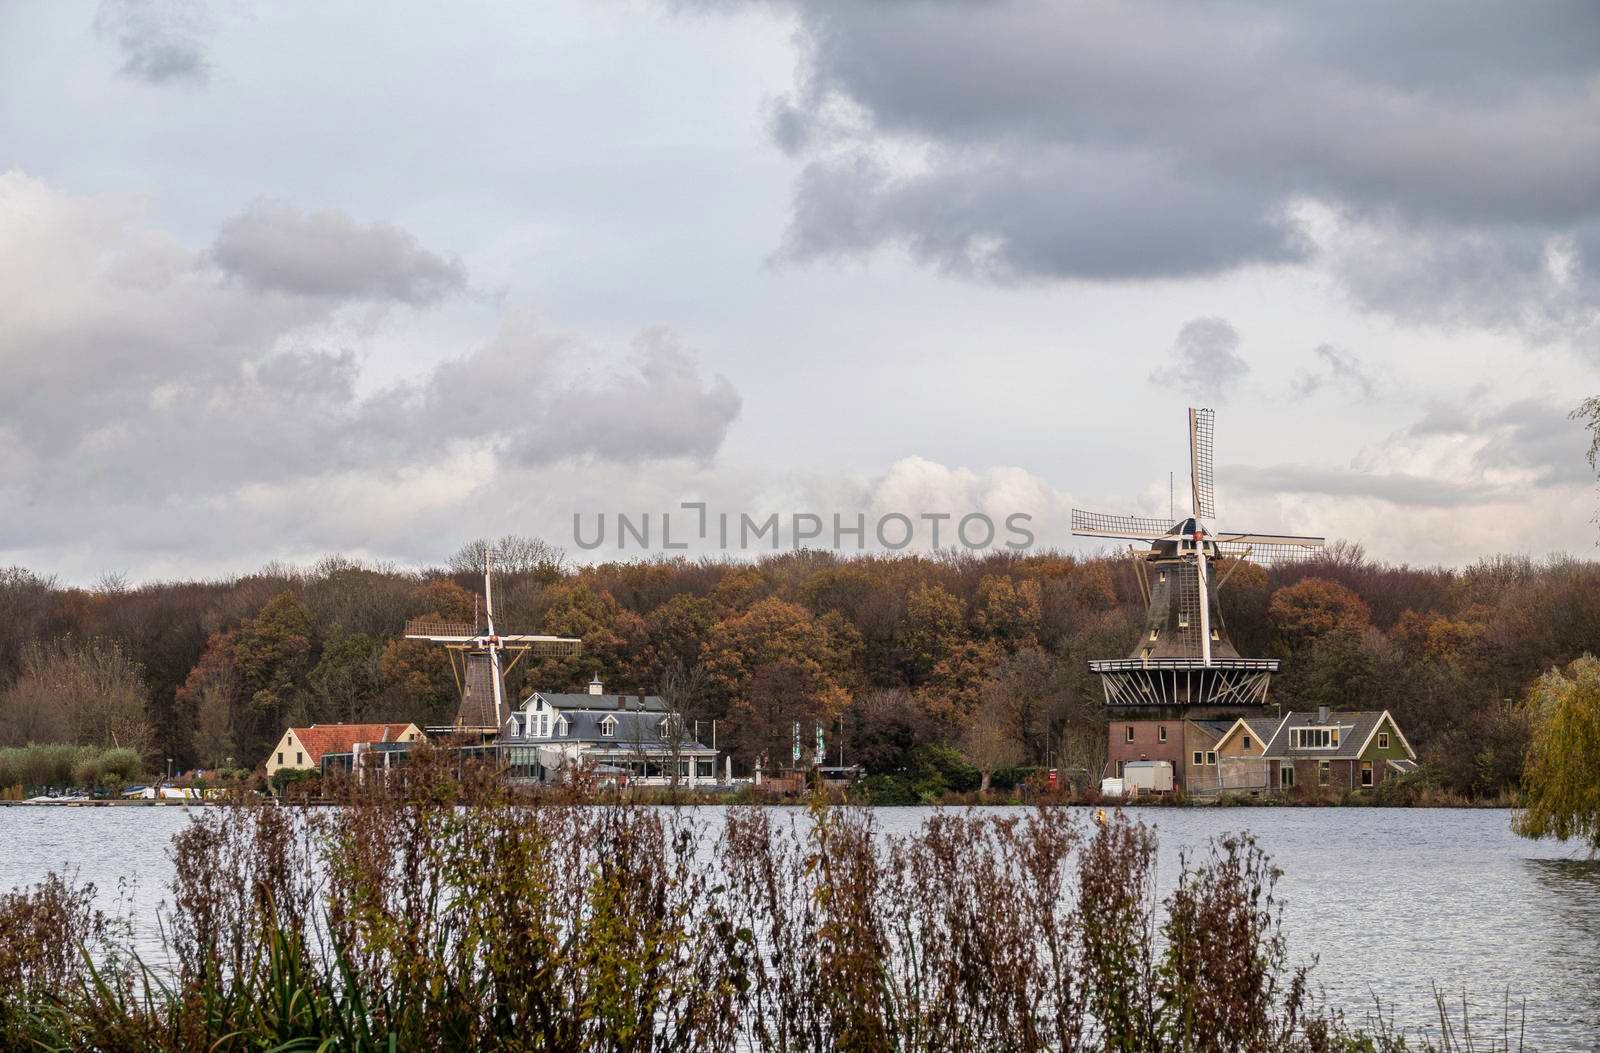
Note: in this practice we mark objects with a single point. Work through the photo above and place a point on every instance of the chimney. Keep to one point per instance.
(596, 687)
(1322, 714)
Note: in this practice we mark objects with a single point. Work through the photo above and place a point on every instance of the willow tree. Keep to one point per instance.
(1562, 775)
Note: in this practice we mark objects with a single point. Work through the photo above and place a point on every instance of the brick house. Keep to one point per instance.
(1337, 750)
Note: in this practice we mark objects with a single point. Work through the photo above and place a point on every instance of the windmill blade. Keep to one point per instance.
(1202, 484)
(1269, 550)
(1292, 540)
(440, 630)
(1133, 528)
(544, 646)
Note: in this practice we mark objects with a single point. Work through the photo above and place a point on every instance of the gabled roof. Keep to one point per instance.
(564, 700)
(341, 738)
(1262, 728)
(632, 729)
(1356, 730)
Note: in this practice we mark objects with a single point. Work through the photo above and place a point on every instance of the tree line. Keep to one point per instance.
(914, 665)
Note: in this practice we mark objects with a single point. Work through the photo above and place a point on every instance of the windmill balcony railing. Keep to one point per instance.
(1115, 665)
(439, 627)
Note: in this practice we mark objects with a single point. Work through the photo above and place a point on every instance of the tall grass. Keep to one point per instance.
(456, 916)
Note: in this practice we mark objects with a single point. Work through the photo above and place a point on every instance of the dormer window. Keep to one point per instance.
(561, 727)
(1314, 738)
(608, 726)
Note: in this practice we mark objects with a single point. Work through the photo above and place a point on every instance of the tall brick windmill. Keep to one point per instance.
(1183, 666)
(476, 659)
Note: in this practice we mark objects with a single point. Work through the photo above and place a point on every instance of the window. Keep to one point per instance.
(1154, 633)
(1163, 577)
(608, 726)
(1216, 635)
(1244, 740)
(1199, 758)
(544, 725)
(561, 727)
(1366, 773)
(280, 756)
(1322, 773)
(1383, 740)
(1127, 733)
(1286, 776)
(1121, 769)
(1211, 758)
(299, 758)
(1314, 738)
(1161, 733)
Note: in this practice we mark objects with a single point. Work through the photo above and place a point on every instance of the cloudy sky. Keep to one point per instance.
(284, 280)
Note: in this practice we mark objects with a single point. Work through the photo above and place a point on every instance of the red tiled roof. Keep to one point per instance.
(341, 738)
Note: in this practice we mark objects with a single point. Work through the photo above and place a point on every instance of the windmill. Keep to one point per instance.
(477, 663)
(1184, 657)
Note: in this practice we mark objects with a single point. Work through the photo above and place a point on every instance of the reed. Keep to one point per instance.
(452, 914)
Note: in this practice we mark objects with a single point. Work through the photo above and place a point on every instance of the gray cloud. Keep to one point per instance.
(1206, 360)
(162, 41)
(1338, 368)
(1022, 139)
(178, 401)
(1402, 488)
(272, 246)
(1509, 452)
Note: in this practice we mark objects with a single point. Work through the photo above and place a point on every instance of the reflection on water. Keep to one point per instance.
(1389, 902)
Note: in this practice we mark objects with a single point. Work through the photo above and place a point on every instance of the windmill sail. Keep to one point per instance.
(1202, 483)
(1134, 528)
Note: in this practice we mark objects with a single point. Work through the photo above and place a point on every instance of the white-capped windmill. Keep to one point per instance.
(476, 660)
(1185, 657)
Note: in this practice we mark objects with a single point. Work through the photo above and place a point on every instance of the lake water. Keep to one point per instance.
(1389, 901)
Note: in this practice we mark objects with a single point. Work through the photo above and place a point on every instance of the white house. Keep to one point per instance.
(631, 736)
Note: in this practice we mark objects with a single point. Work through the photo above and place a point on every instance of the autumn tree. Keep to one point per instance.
(1312, 608)
(1562, 777)
(88, 693)
(989, 745)
(272, 655)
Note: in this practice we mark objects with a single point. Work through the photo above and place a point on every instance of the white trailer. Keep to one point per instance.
(1147, 776)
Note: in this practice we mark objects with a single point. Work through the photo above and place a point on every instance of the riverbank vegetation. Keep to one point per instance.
(896, 656)
(536, 924)
(44, 768)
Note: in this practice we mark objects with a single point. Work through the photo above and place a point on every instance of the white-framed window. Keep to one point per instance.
(1161, 733)
(1199, 758)
(1211, 758)
(1127, 733)
(1154, 633)
(1314, 738)
(1383, 740)
(1366, 773)
(1244, 740)
(608, 726)
(561, 726)
(544, 725)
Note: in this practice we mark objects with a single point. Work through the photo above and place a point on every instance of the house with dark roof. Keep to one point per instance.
(636, 738)
(1325, 748)
(303, 748)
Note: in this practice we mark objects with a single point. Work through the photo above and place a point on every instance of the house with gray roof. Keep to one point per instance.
(632, 738)
(1325, 748)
